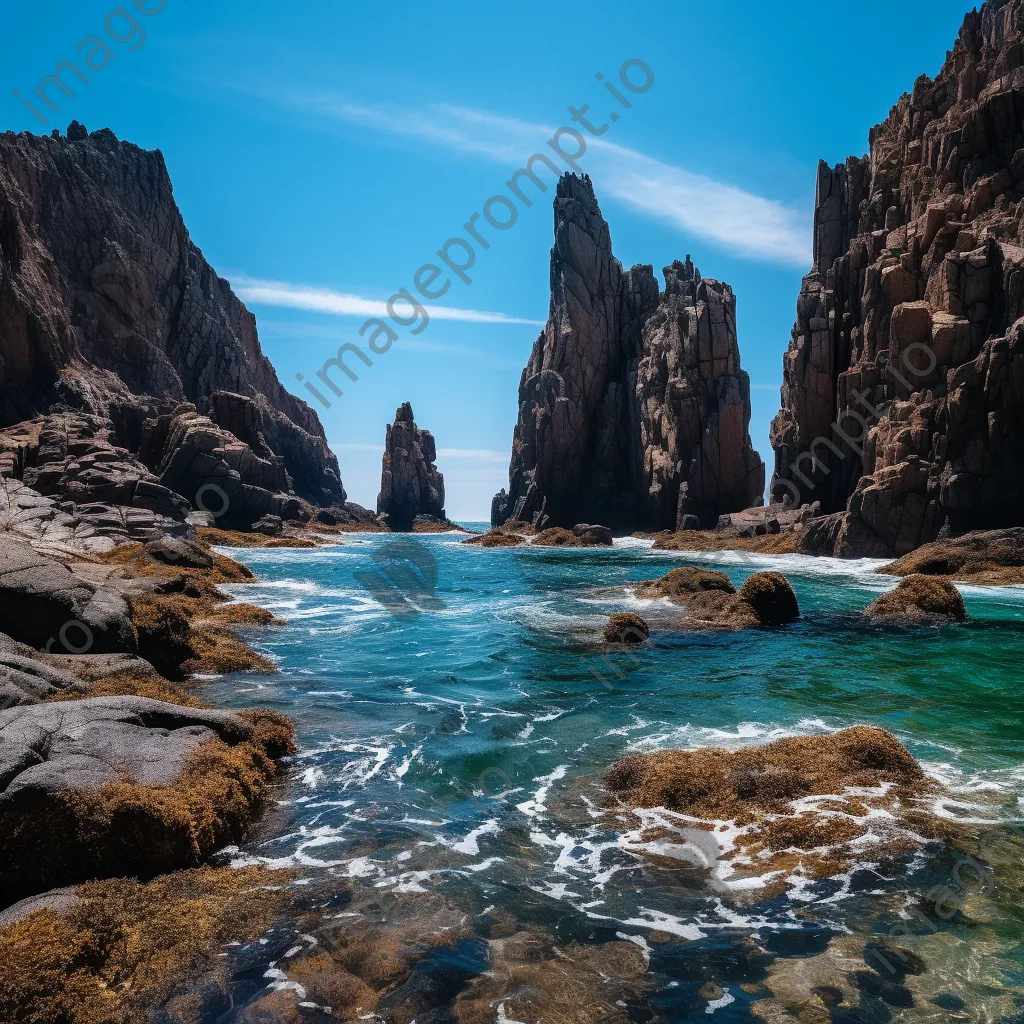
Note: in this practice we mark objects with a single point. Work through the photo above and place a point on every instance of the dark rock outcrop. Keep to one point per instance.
(633, 409)
(410, 484)
(908, 327)
(107, 308)
(994, 557)
(222, 474)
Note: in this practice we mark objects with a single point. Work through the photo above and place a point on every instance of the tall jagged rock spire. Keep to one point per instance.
(410, 484)
(633, 408)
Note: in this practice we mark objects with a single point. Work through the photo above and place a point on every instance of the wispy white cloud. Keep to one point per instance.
(324, 300)
(739, 221)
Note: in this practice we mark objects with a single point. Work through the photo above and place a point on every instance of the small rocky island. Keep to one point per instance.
(411, 488)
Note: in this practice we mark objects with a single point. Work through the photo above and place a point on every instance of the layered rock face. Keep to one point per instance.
(908, 327)
(410, 484)
(633, 409)
(107, 308)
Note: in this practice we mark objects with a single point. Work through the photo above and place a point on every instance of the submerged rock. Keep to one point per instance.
(770, 790)
(626, 628)
(919, 601)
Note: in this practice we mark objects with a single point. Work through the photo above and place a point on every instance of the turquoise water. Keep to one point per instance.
(453, 748)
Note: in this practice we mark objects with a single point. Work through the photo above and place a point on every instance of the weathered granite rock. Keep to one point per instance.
(410, 484)
(107, 307)
(26, 680)
(633, 409)
(45, 605)
(222, 474)
(904, 381)
(84, 744)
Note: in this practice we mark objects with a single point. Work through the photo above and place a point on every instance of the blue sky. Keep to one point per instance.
(322, 152)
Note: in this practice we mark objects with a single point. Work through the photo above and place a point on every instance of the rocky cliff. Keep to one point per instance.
(107, 308)
(903, 389)
(410, 485)
(633, 409)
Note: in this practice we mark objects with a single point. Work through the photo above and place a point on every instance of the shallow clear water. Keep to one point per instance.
(469, 730)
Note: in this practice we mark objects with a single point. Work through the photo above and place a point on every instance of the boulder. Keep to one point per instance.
(593, 536)
(181, 553)
(919, 601)
(771, 596)
(626, 628)
(45, 605)
(269, 526)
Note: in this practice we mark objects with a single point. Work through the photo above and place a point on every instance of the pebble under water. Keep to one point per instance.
(455, 748)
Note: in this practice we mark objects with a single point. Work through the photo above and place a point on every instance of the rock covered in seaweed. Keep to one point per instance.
(993, 557)
(711, 603)
(112, 786)
(787, 796)
(919, 601)
(626, 628)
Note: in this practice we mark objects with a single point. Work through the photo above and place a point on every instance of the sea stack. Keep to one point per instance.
(903, 396)
(633, 409)
(410, 485)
